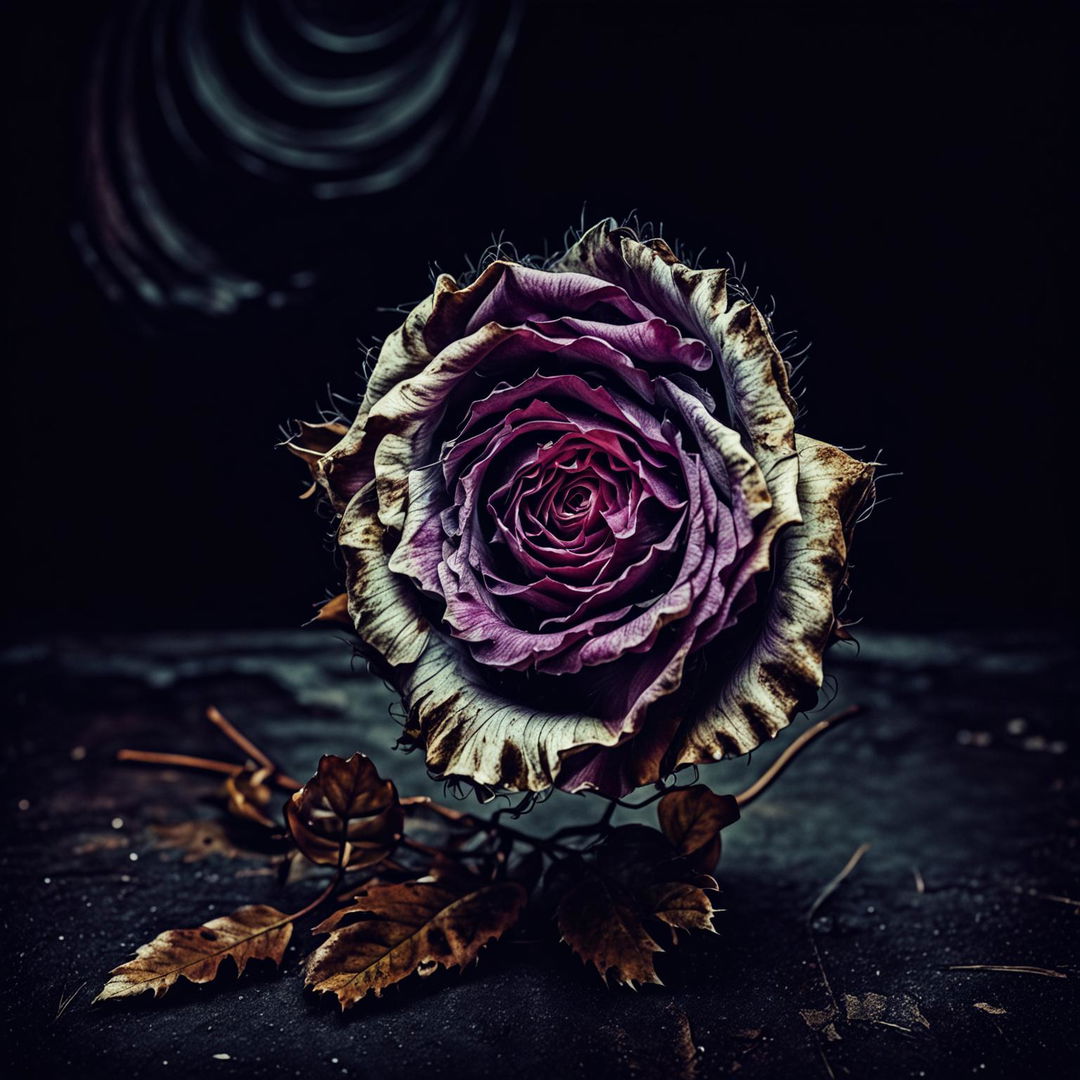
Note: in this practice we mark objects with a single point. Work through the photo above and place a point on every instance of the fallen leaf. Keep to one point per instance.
(823, 1020)
(907, 1008)
(691, 818)
(256, 932)
(335, 611)
(413, 927)
(249, 794)
(346, 815)
(311, 442)
(615, 893)
(870, 1007)
(993, 1010)
(604, 923)
(899, 1012)
(679, 904)
(816, 1018)
(197, 839)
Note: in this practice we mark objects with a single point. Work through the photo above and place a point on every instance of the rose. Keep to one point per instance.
(581, 536)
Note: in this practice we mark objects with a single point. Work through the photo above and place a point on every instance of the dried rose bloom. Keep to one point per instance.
(581, 535)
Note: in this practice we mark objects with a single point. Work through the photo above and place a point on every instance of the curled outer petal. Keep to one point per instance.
(384, 607)
(471, 731)
(783, 670)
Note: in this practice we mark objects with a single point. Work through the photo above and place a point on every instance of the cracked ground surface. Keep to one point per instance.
(961, 778)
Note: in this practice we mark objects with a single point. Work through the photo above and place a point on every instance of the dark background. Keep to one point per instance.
(892, 174)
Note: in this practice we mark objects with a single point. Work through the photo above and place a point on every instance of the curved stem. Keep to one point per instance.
(744, 798)
(595, 827)
(649, 800)
(446, 812)
(550, 845)
(324, 895)
(471, 820)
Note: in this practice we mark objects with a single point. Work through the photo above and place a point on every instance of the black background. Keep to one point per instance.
(892, 174)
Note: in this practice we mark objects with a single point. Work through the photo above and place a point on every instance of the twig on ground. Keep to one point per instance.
(822, 896)
(239, 739)
(1024, 969)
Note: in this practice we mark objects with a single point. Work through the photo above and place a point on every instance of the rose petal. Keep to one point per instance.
(383, 606)
(471, 731)
(783, 669)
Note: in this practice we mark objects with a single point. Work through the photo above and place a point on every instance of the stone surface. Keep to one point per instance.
(961, 778)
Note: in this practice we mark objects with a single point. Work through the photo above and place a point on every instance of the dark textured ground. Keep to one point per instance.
(963, 777)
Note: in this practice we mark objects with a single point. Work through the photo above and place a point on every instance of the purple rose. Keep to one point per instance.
(580, 532)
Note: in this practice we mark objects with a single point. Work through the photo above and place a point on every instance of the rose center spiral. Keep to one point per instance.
(576, 525)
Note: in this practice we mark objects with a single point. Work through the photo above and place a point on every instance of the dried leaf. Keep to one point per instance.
(603, 922)
(680, 905)
(335, 611)
(633, 880)
(249, 794)
(311, 442)
(197, 839)
(638, 855)
(691, 818)
(871, 1007)
(346, 814)
(818, 1018)
(256, 932)
(414, 927)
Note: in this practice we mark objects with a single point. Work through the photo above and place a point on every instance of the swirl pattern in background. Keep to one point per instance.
(225, 145)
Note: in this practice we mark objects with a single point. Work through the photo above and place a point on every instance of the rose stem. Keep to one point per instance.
(324, 895)
(239, 739)
(437, 808)
(549, 845)
(744, 798)
(472, 821)
(596, 827)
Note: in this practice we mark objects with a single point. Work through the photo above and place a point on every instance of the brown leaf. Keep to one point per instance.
(691, 818)
(679, 904)
(411, 927)
(197, 839)
(871, 1007)
(311, 442)
(256, 932)
(249, 794)
(346, 815)
(335, 611)
(631, 881)
(603, 923)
